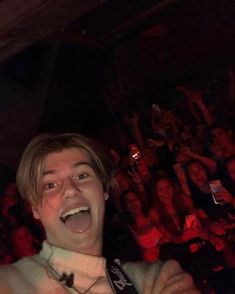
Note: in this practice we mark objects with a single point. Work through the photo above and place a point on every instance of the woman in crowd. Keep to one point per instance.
(186, 239)
(146, 234)
(214, 216)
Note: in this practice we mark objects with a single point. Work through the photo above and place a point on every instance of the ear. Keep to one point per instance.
(106, 196)
(35, 212)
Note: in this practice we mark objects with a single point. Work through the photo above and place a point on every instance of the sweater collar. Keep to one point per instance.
(65, 261)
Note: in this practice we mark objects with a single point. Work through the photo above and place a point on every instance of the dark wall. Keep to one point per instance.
(23, 83)
(75, 100)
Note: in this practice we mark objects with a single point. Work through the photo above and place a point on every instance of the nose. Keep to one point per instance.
(70, 189)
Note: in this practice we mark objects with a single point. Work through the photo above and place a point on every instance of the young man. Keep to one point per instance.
(66, 180)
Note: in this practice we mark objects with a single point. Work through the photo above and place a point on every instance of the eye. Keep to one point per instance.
(81, 176)
(50, 185)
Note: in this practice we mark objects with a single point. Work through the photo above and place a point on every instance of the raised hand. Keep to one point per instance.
(224, 196)
(180, 173)
(195, 95)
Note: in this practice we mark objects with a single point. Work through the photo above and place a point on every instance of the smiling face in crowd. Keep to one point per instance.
(164, 190)
(73, 202)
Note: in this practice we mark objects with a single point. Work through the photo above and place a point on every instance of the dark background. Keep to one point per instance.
(117, 59)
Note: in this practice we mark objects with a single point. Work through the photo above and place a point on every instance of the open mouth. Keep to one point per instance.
(64, 217)
(77, 219)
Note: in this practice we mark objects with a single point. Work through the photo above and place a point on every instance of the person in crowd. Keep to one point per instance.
(197, 106)
(186, 238)
(155, 152)
(199, 186)
(146, 234)
(171, 206)
(66, 180)
(203, 119)
(137, 169)
(120, 181)
(189, 154)
(223, 144)
(15, 213)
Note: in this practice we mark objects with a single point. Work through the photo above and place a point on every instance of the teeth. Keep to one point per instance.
(75, 210)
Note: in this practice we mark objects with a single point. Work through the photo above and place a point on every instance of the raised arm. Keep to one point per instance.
(134, 123)
(195, 97)
(207, 161)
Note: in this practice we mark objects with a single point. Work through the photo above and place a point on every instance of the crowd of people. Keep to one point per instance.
(174, 185)
(172, 192)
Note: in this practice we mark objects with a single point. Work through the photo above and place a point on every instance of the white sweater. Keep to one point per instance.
(39, 274)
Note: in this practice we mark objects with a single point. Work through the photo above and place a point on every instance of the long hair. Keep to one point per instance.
(126, 214)
(164, 218)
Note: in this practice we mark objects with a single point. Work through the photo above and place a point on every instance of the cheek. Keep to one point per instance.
(45, 212)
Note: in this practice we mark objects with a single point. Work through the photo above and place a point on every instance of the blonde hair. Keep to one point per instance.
(30, 170)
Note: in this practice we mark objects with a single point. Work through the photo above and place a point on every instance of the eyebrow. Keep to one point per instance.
(75, 165)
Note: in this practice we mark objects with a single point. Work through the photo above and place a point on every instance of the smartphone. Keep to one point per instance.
(134, 152)
(215, 187)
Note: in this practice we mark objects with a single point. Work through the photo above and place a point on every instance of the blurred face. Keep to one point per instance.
(164, 190)
(73, 202)
(221, 137)
(231, 169)
(133, 203)
(197, 174)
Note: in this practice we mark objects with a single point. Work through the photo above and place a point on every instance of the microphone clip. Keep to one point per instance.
(67, 280)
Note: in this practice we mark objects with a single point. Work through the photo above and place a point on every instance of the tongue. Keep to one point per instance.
(78, 222)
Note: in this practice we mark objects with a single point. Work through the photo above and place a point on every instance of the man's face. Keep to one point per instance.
(73, 202)
(198, 174)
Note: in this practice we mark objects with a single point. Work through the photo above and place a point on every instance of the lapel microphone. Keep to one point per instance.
(67, 280)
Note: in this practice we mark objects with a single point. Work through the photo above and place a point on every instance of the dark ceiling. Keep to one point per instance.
(151, 45)
(154, 44)
(196, 24)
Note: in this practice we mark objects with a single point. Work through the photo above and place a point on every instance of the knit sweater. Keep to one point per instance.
(40, 274)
